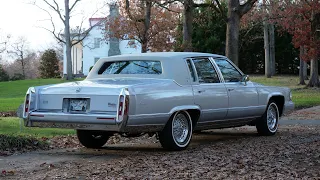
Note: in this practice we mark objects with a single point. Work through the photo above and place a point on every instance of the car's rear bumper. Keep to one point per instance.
(102, 122)
(288, 106)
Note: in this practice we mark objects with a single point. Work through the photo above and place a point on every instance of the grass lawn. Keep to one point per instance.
(12, 93)
(11, 126)
(301, 96)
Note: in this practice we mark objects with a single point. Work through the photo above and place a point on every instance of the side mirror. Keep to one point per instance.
(245, 79)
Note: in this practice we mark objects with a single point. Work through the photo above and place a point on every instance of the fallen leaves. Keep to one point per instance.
(235, 154)
(292, 154)
(8, 114)
(7, 173)
(10, 144)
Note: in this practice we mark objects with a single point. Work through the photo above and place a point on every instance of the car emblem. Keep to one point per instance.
(78, 89)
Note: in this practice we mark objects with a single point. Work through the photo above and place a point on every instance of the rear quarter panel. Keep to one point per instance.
(154, 103)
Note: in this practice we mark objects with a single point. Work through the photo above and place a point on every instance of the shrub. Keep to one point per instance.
(17, 76)
(3, 74)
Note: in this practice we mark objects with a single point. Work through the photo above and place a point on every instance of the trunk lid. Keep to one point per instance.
(102, 95)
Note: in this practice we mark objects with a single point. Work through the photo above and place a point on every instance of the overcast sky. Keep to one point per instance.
(20, 18)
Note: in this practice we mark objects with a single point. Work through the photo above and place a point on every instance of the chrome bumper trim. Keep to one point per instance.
(72, 118)
(86, 122)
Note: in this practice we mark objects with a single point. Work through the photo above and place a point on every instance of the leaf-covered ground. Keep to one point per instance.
(312, 113)
(238, 153)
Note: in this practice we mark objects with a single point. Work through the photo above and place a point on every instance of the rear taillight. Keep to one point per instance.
(26, 104)
(126, 106)
(123, 108)
(121, 103)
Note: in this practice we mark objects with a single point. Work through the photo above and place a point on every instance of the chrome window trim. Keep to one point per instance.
(193, 69)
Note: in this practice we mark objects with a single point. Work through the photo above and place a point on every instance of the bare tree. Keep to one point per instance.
(66, 37)
(20, 50)
(4, 42)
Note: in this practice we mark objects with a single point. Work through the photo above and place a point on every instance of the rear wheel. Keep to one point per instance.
(93, 139)
(267, 125)
(177, 133)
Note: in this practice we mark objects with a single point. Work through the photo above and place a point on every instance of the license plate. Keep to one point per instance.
(78, 104)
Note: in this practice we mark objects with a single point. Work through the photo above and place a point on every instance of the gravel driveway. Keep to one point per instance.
(237, 153)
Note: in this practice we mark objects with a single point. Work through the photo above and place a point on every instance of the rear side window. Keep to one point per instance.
(131, 67)
(191, 70)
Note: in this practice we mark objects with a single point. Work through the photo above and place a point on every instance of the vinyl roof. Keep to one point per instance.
(166, 54)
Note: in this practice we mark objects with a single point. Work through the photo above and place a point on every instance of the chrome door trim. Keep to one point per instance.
(229, 120)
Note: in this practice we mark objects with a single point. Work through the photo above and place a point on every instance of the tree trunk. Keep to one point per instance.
(272, 50)
(144, 47)
(232, 34)
(147, 15)
(314, 77)
(23, 67)
(267, 61)
(301, 69)
(315, 29)
(68, 40)
(187, 25)
(305, 70)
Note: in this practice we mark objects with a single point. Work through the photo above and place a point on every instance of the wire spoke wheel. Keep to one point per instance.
(267, 125)
(180, 128)
(272, 117)
(177, 133)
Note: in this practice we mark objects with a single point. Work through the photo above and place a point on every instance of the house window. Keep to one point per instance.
(97, 42)
(96, 59)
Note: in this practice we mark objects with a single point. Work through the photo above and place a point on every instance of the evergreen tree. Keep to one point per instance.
(49, 64)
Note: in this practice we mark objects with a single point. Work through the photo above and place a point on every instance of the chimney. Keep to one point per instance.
(114, 42)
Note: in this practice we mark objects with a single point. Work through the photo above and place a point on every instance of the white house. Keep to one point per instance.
(93, 47)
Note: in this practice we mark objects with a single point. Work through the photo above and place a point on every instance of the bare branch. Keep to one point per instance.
(127, 8)
(74, 5)
(164, 5)
(167, 2)
(56, 9)
(86, 33)
(220, 7)
(246, 7)
(53, 31)
(168, 9)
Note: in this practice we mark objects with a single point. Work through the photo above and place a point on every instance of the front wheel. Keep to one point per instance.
(177, 133)
(267, 125)
(92, 139)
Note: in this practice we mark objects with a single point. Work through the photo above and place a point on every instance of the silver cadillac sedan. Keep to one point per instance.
(170, 94)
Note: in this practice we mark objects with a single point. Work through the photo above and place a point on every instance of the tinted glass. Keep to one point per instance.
(131, 67)
(229, 73)
(205, 70)
(191, 70)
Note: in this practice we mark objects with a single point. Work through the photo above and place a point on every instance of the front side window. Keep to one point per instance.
(131, 67)
(229, 72)
(205, 70)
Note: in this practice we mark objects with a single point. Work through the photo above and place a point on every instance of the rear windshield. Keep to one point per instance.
(131, 67)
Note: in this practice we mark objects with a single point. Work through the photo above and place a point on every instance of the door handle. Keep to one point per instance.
(201, 91)
(230, 89)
